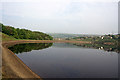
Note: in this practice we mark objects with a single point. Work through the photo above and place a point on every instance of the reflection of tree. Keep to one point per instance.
(105, 47)
(19, 48)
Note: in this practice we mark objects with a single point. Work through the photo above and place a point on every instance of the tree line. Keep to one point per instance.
(24, 33)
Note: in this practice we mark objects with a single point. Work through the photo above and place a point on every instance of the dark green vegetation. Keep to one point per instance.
(24, 33)
(19, 48)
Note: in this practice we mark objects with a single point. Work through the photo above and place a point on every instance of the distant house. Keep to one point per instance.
(102, 37)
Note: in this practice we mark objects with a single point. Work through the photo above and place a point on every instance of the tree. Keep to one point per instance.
(24, 33)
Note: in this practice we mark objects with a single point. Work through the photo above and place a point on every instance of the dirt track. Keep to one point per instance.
(13, 67)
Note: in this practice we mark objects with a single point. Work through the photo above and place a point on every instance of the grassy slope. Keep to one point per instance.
(6, 37)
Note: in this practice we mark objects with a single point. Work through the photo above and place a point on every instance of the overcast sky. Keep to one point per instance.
(62, 16)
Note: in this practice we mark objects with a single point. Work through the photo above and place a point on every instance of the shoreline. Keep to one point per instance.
(13, 67)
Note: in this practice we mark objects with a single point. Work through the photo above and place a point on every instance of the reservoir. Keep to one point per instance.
(67, 60)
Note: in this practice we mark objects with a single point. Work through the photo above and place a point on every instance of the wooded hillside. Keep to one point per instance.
(24, 33)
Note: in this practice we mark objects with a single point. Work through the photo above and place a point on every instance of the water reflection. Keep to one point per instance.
(27, 47)
(60, 60)
(108, 48)
(105, 47)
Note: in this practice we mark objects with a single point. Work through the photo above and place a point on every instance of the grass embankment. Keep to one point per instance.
(6, 37)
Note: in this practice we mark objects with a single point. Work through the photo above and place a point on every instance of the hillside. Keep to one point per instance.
(65, 35)
(6, 37)
(24, 33)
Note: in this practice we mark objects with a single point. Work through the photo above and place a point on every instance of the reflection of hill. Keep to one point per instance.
(19, 48)
(114, 48)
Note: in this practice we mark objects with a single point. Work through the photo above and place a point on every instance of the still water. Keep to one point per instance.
(65, 60)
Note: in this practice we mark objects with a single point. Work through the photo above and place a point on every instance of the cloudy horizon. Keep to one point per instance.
(63, 16)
